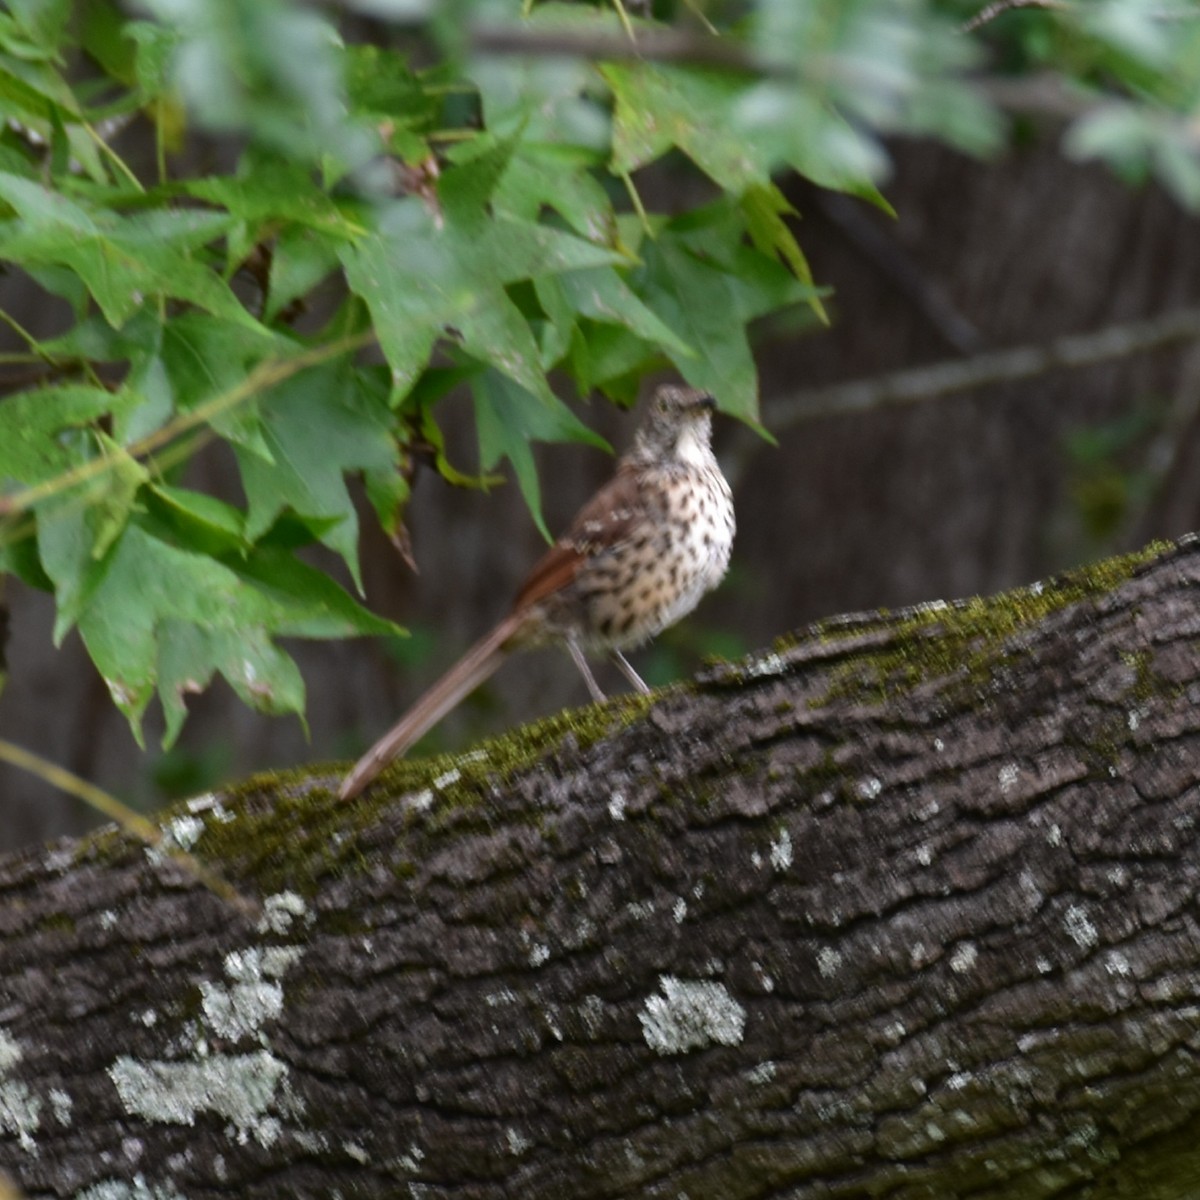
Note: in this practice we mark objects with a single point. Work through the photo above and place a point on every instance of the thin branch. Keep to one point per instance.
(914, 384)
(266, 375)
(132, 822)
(652, 45)
(992, 11)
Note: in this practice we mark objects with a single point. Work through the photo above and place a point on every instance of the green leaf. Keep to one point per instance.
(162, 616)
(203, 358)
(267, 69)
(124, 261)
(764, 209)
(509, 418)
(724, 364)
(262, 675)
(692, 108)
(557, 177)
(205, 523)
(604, 296)
(34, 446)
(300, 260)
(111, 504)
(269, 190)
(316, 427)
(305, 602)
(65, 541)
(42, 21)
(379, 81)
(421, 279)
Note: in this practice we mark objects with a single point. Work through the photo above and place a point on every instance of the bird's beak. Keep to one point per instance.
(706, 402)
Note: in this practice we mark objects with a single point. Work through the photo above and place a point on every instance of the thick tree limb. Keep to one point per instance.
(906, 909)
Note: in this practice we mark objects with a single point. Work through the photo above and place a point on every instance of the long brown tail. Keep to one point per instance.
(461, 679)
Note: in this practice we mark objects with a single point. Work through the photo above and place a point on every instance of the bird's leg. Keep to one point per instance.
(629, 673)
(585, 671)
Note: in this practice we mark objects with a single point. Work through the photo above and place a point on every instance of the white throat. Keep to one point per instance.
(692, 447)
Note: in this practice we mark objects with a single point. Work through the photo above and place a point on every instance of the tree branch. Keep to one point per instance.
(992, 11)
(915, 384)
(904, 908)
(651, 45)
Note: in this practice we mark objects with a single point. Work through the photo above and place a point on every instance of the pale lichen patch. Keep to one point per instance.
(281, 910)
(781, 850)
(20, 1109)
(182, 832)
(242, 1088)
(869, 788)
(10, 1051)
(765, 667)
(828, 961)
(128, 1189)
(965, 955)
(1079, 927)
(61, 1105)
(690, 1014)
(241, 1009)
(1115, 963)
(20, 1112)
(762, 1072)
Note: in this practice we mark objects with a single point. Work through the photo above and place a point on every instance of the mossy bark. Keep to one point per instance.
(905, 908)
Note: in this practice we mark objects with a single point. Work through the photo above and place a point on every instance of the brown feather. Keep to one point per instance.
(604, 521)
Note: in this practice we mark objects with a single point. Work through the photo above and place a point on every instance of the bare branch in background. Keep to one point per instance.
(914, 384)
(988, 14)
(665, 46)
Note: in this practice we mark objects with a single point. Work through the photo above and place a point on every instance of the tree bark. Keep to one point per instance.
(905, 908)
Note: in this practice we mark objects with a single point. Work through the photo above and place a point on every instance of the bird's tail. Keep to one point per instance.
(459, 681)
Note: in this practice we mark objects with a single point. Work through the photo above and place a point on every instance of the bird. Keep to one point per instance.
(638, 557)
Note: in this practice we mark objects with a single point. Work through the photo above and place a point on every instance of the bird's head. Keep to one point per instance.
(677, 426)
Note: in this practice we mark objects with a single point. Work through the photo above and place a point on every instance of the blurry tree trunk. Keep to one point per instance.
(906, 908)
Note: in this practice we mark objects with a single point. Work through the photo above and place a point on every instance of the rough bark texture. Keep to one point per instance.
(906, 909)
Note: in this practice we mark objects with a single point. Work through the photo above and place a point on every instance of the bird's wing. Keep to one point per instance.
(605, 521)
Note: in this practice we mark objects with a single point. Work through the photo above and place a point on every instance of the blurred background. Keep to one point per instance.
(968, 493)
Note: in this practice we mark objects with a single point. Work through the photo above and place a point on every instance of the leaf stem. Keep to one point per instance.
(636, 201)
(132, 822)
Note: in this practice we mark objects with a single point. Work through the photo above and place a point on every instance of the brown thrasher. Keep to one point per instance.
(638, 556)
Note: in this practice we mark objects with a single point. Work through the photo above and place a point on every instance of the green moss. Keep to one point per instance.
(288, 830)
(967, 641)
(519, 750)
(57, 922)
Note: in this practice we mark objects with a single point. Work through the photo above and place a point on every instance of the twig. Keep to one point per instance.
(132, 822)
(992, 11)
(652, 45)
(915, 384)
